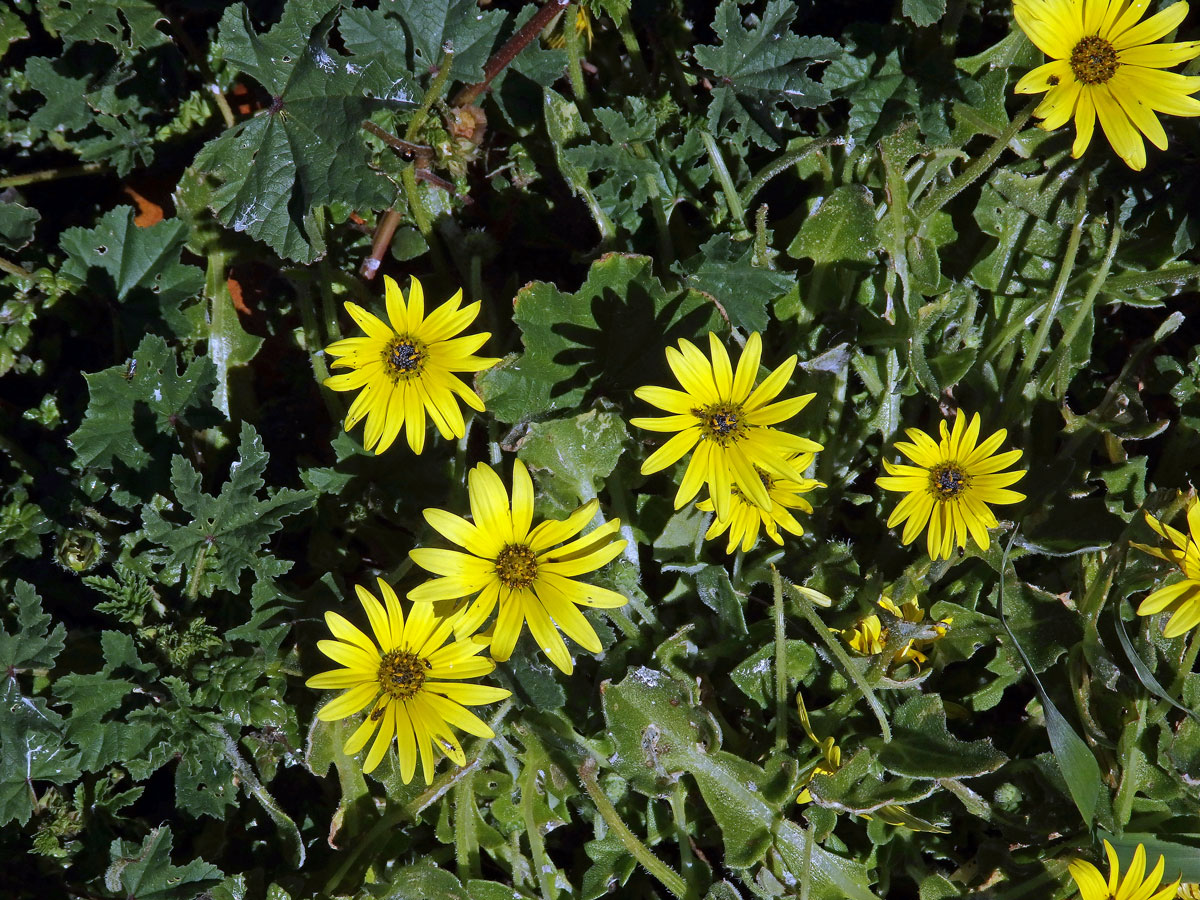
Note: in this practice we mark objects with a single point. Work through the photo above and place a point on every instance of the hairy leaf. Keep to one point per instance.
(146, 872)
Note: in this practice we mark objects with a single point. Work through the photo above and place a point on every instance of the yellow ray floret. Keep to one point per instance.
(746, 518)
(951, 485)
(406, 369)
(1182, 597)
(527, 572)
(726, 422)
(1136, 885)
(411, 680)
(1106, 65)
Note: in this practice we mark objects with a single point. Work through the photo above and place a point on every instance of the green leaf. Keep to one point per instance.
(139, 260)
(306, 149)
(1182, 860)
(34, 645)
(16, 225)
(726, 272)
(659, 731)
(106, 20)
(32, 749)
(840, 229)
(923, 12)
(606, 338)
(117, 395)
(757, 69)
(572, 457)
(460, 24)
(146, 872)
(755, 675)
(12, 29)
(225, 534)
(922, 746)
(423, 881)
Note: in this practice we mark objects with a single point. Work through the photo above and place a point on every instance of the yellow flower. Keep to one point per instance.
(1106, 64)
(522, 570)
(583, 28)
(727, 420)
(1135, 886)
(950, 485)
(1182, 597)
(869, 636)
(411, 681)
(746, 518)
(1188, 892)
(831, 753)
(407, 369)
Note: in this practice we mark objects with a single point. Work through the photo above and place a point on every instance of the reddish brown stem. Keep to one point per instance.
(513, 46)
(407, 149)
(383, 240)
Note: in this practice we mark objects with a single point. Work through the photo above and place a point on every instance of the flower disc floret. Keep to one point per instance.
(407, 368)
(950, 485)
(411, 680)
(526, 571)
(1106, 65)
(1182, 597)
(725, 421)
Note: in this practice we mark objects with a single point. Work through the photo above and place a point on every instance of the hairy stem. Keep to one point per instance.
(52, 174)
(521, 39)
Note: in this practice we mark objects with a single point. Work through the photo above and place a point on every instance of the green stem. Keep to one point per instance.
(782, 164)
(955, 186)
(1131, 772)
(844, 659)
(312, 340)
(732, 200)
(633, 48)
(781, 699)
(1134, 280)
(466, 837)
(13, 269)
(416, 205)
(193, 588)
(669, 878)
(436, 90)
(1025, 370)
(688, 864)
(537, 847)
(287, 828)
(574, 58)
(666, 248)
(1187, 663)
(52, 174)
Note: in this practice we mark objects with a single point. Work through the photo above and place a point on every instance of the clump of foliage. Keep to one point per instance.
(189, 193)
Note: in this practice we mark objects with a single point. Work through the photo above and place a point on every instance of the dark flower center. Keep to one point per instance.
(947, 481)
(724, 423)
(401, 674)
(404, 358)
(1094, 60)
(516, 567)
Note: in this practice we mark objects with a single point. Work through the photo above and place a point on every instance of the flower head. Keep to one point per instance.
(522, 570)
(1105, 64)
(831, 753)
(1182, 597)
(411, 681)
(406, 370)
(1135, 886)
(727, 420)
(951, 485)
(869, 636)
(746, 517)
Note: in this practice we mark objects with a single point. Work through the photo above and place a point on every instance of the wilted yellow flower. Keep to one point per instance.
(1183, 596)
(869, 636)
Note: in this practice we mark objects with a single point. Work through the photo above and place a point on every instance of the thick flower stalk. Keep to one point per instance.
(411, 679)
(406, 369)
(1182, 597)
(527, 571)
(1106, 65)
(726, 421)
(951, 485)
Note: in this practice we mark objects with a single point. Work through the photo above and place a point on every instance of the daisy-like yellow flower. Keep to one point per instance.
(1106, 65)
(1136, 885)
(831, 753)
(406, 369)
(412, 680)
(746, 518)
(1188, 892)
(522, 570)
(869, 636)
(1182, 597)
(951, 485)
(727, 420)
